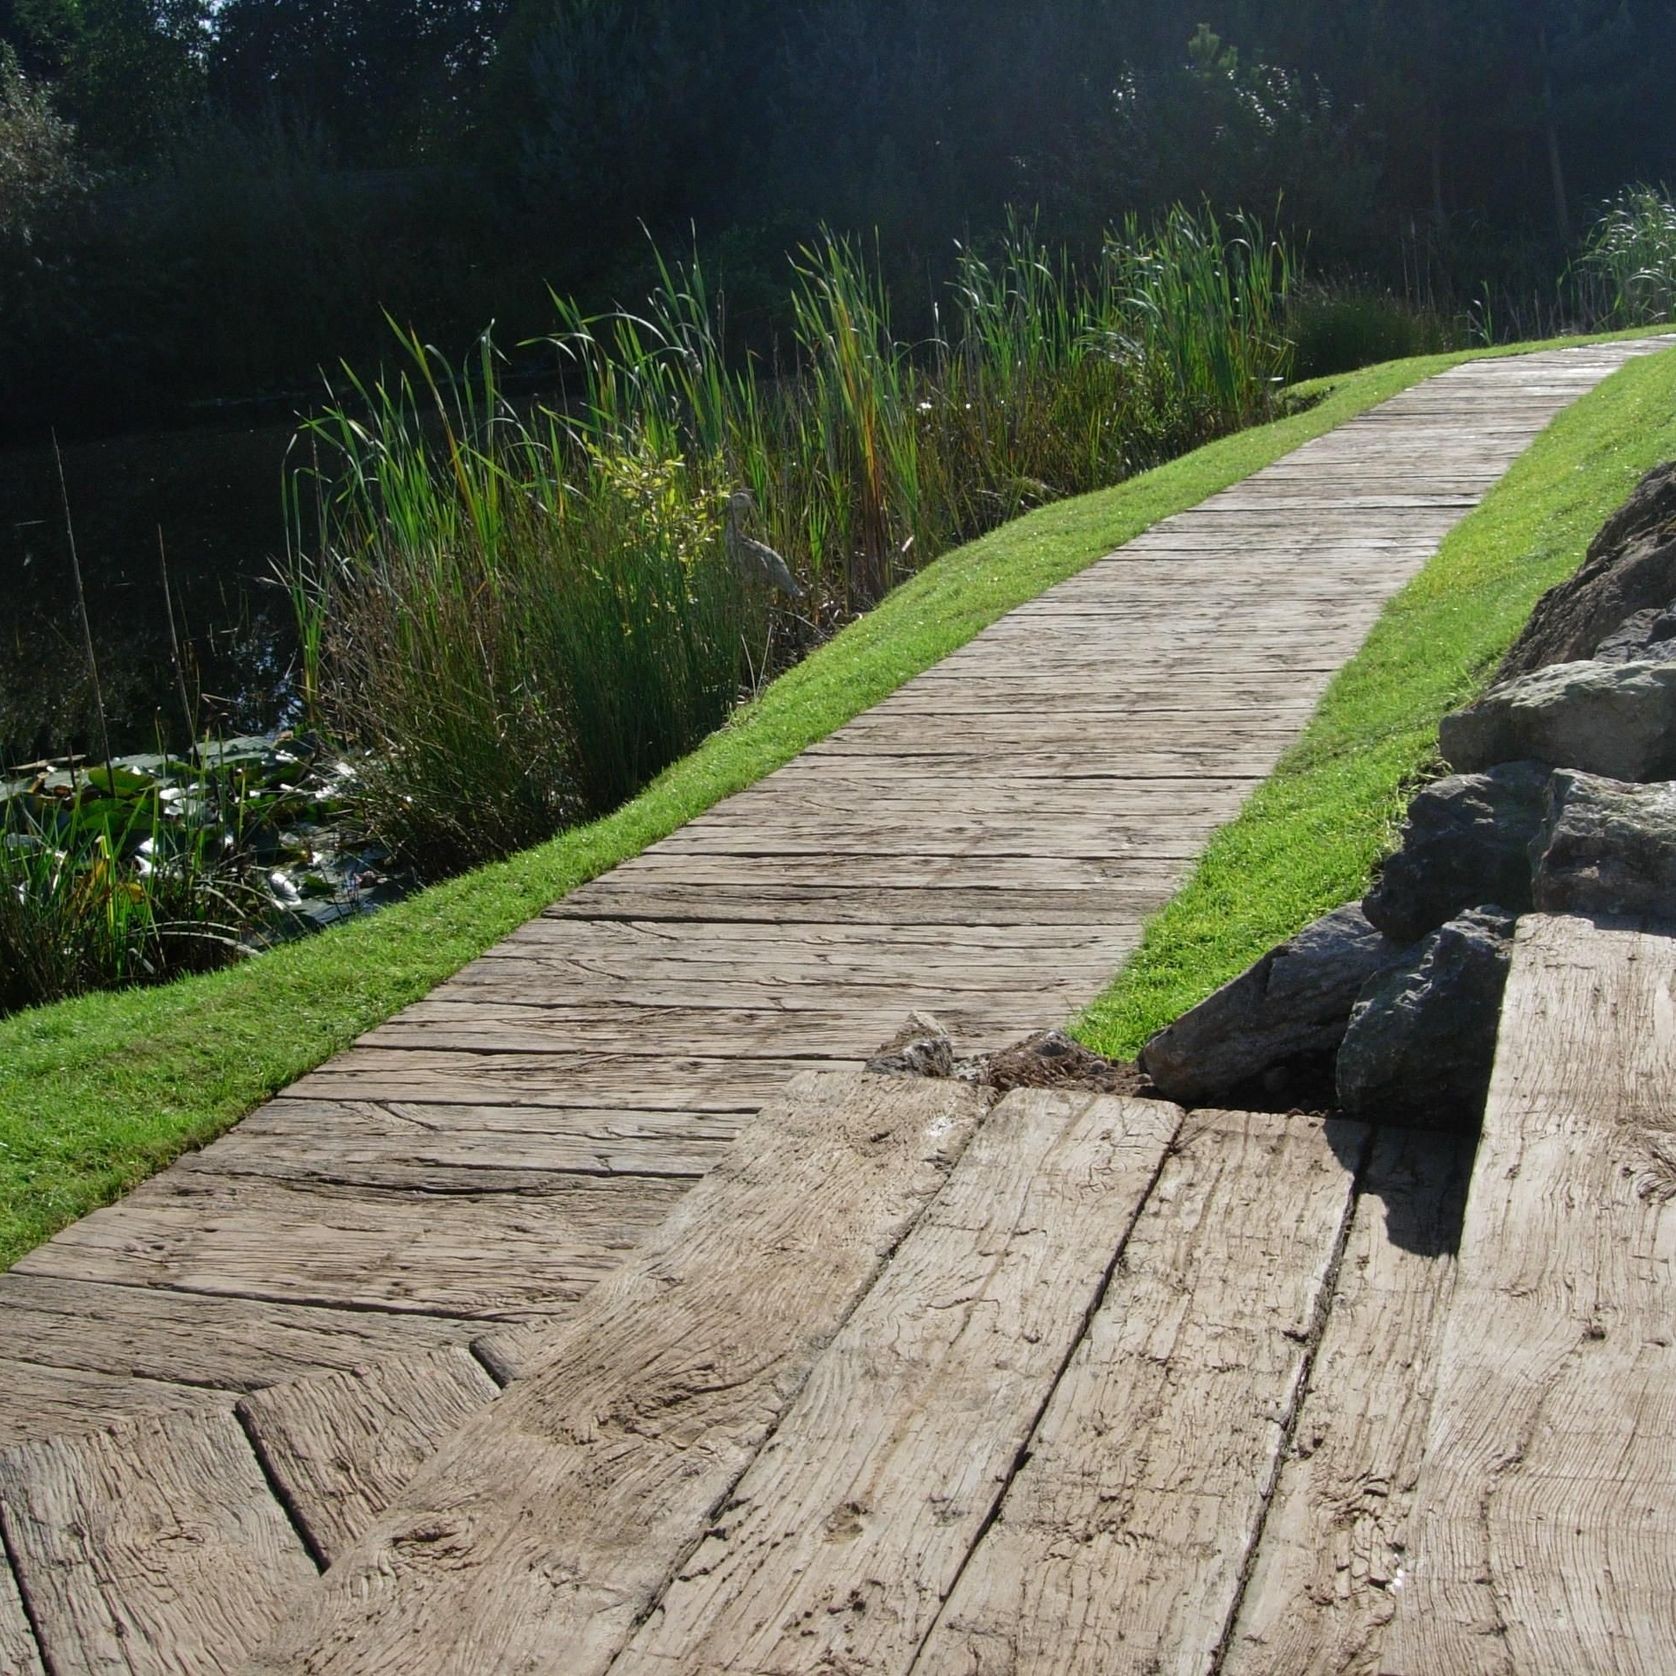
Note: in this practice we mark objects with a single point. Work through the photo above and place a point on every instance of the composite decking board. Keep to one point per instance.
(537, 1535)
(1122, 1540)
(156, 1547)
(342, 1445)
(1062, 713)
(1330, 1563)
(1544, 1531)
(837, 1546)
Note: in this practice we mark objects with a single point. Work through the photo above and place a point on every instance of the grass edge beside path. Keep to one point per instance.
(1308, 838)
(100, 1092)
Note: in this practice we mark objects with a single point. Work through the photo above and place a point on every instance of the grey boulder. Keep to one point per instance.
(1630, 568)
(1617, 719)
(1293, 1002)
(1467, 840)
(1607, 848)
(1422, 1036)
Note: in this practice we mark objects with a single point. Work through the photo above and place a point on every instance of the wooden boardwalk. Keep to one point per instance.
(1136, 1391)
(227, 1375)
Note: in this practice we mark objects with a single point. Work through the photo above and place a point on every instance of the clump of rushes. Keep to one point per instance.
(1632, 248)
(523, 614)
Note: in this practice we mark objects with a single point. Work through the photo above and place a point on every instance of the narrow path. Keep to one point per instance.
(986, 844)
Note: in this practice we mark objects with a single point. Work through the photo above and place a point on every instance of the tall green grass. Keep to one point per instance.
(525, 612)
(1632, 249)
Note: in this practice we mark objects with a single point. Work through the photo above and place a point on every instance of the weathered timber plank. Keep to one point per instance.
(1118, 905)
(1120, 1544)
(20, 1655)
(151, 1333)
(1544, 1535)
(412, 1144)
(156, 1547)
(838, 1545)
(617, 1080)
(1324, 1584)
(563, 985)
(475, 1254)
(487, 1027)
(341, 1445)
(542, 1530)
(37, 1401)
(1050, 875)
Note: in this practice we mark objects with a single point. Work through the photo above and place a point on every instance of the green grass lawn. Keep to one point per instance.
(97, 1093)
(1309, 836)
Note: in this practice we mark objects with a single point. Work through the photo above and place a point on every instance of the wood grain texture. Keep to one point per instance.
(166, 1336)
(1544, 1536)
(153, 1547)
(545, 1527)
(473, 1254)
(1120, 1545)
(1332, 1550)
(837, 1547)
(20, 1655)
(341, 1445)
(39, 1401)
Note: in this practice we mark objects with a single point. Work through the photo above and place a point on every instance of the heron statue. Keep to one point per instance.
(755, 561)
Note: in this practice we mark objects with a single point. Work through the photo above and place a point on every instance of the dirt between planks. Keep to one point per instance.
(1052, 1059)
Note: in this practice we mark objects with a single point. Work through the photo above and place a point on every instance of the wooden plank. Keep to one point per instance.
(20, 1654)
(488, 1027)
(622, 1079)
(152, 1334)
(1121, 906)
(38, 1401)
(241, 1236)
(1332, 1550)
(413, 1145)
(841, 1541)
(1121, 1542)
(156, 1547)
(340, 1446)
(1544, 1536)
(542, 1530)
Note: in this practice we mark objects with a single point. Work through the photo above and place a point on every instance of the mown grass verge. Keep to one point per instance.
(1309, 837)
(97, 1093)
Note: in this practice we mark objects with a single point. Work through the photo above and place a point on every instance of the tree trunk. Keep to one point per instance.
(1551, 137)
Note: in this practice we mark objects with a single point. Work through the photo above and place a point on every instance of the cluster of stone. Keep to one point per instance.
(1562, 800)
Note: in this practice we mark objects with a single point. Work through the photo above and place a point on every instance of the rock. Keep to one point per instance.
(1617, 719)
(1295, 1001)
(1630, 568)
(1467, 840)
(1647, 637)
(921, 1048)
(1422, 1036)
(1607, 848)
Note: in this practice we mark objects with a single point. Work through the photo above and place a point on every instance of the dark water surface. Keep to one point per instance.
(216, 495)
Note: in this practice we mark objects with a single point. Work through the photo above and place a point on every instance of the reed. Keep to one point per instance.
(1632, 249)
(524, 612)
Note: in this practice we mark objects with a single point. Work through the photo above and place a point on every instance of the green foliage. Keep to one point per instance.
(1335, 328)
(522, 616)
(1632, 247)
(107, 888)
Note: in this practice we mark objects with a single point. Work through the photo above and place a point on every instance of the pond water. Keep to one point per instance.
(215, 493)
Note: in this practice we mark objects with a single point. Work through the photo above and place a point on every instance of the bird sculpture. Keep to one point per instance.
(755, 561)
